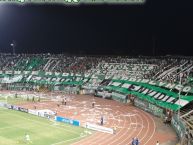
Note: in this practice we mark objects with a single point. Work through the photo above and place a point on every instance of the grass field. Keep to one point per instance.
(14, 125)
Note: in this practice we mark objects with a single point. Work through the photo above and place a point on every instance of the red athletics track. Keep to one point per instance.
(130, 121)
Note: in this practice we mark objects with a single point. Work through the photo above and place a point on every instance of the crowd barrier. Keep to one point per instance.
(42, 113)
(178, 125)
(33, 112)
(17, 108)
(67, 120)
(99, 128)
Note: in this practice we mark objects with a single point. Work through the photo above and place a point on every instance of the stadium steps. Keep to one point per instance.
(189, 112)
(185, 111)
(189, 122)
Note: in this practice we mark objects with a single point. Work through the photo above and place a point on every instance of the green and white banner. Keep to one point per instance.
(153, 94)
(161, 93)
(80, 79)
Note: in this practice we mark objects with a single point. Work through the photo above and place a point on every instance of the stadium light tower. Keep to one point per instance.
(13, 45)
(181, 75)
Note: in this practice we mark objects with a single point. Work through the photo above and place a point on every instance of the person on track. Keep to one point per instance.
(157, 143)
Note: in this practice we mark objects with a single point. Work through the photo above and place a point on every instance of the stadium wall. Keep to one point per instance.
(148, 107)
(181, 130)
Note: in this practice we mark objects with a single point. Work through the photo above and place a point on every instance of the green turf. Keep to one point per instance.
(14, 125)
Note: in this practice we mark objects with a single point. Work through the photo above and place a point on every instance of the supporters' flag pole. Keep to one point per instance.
(181, 75)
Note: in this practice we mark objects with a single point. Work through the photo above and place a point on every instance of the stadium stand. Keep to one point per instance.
(104, 76)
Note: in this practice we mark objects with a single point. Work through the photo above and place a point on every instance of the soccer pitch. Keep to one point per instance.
(14, 125)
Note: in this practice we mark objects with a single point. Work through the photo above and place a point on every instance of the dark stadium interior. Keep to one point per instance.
(124, 71)
(153, 28)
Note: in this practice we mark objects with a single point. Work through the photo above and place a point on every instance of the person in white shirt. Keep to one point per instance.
(27, 138)
(157, 143)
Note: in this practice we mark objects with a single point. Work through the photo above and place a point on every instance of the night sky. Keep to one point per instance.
(155, 28)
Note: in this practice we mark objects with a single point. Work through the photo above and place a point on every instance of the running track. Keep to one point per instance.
(130, 121)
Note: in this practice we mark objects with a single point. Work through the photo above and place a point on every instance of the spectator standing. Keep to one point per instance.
(157, 143)
(114, 130)
(133, 141)
(101, 120)
(93, 103)
(136, 141)
(62, 101)
(65, 101)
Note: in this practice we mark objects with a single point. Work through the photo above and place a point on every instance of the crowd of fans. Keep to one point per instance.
(170, 69)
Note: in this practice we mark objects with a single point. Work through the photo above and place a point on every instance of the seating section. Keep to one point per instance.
(168, 69)
(177, 72)
(163, 68)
